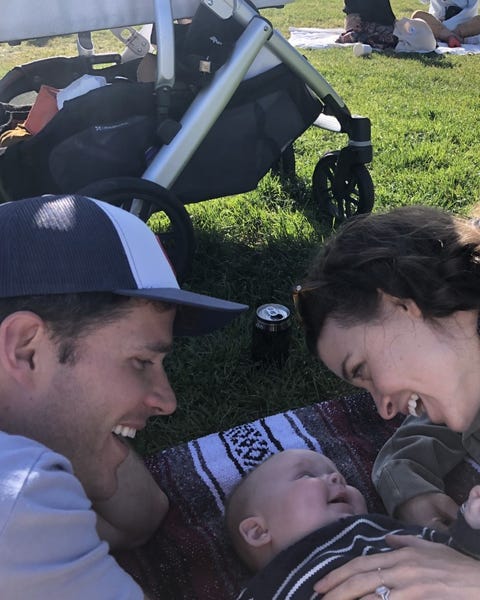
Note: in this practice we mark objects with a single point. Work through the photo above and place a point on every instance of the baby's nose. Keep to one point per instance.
(336, 478)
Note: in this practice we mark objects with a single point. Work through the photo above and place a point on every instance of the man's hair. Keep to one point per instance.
(418, 253)
(71, 316)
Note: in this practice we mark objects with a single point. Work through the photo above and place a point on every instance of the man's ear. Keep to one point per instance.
(19, 339)
(406, 304)
(254, 531)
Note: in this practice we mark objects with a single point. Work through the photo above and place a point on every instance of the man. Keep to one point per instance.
(88, 308)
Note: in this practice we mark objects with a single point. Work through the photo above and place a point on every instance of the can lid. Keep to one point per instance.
(273, 317)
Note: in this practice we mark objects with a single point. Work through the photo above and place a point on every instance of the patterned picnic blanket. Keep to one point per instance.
(190, 558)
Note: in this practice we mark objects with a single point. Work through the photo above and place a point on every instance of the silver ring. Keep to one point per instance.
(383, 592)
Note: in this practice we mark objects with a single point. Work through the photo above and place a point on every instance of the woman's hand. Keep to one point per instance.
(415, 570)
(435, 510)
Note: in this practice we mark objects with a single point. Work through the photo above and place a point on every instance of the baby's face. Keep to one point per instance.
(298, 491)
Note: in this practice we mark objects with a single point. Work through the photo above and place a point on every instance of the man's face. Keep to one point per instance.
(116, 383)
(298, 491)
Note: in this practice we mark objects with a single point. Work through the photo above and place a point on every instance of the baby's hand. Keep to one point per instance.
(471, 508)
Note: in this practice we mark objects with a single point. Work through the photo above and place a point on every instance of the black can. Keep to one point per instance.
(271, 334)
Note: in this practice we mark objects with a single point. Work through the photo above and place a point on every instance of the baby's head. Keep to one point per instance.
(288, 496)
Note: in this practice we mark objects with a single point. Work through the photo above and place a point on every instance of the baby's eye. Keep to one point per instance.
(305, 474)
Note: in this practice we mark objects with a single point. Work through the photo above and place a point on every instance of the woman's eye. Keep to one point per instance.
(357, 372)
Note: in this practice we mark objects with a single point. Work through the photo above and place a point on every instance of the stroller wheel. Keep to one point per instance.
(145, 198)
(359, 192)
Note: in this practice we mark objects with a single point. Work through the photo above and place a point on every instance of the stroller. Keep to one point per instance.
(230, 96)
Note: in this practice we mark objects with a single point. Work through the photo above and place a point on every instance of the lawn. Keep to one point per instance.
(253, 247)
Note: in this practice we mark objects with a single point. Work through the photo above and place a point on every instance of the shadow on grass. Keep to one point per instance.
(217, 383)
(430, 59)
(263, 272)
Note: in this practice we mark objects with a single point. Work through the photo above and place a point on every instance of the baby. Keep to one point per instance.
(293, 519)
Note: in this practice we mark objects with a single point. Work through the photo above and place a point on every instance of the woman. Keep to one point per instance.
(392, 305)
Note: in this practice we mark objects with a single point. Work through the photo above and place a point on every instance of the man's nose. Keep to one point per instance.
(161, 399)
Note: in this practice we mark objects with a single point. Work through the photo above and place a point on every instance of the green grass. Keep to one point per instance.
(254, 247)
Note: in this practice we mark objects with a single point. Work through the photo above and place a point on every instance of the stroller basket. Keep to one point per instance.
(110, 132)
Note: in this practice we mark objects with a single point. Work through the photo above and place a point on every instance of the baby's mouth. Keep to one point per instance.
(340, 498)
(415, 406)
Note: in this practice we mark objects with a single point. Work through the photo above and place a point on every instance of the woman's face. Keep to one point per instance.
(409, 364)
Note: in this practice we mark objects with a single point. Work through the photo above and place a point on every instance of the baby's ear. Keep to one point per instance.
(254, 531)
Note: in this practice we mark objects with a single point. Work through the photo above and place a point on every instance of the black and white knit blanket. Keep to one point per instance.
(190, 557)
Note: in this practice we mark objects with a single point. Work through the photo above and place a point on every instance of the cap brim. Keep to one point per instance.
(196, 314)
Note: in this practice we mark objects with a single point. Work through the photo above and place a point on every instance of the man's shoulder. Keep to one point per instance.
(24, 462)
(18, 452)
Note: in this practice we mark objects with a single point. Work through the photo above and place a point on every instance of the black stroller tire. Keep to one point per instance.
(359, 191)
(177, 235)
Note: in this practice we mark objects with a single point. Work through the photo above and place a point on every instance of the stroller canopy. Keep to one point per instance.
(27, 19)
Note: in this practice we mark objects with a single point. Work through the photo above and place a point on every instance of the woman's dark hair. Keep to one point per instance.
(418, 253)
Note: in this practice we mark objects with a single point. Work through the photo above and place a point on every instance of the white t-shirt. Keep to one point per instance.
(49, 547)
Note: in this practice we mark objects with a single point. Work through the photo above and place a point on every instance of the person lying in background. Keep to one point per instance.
(451, 21)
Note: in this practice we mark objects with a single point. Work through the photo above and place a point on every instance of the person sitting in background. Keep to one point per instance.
(451, 21)
(369, 22)
(294, 518)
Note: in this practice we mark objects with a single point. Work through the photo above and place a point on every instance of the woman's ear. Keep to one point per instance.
(254, 531)
(406, 304)
(19, 339)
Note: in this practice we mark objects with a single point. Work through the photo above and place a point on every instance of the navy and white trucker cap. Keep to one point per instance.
(72, 244)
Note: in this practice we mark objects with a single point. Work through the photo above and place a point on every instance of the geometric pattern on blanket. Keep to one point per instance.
(190, 558)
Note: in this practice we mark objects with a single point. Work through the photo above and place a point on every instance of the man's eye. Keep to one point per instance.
(141, 364)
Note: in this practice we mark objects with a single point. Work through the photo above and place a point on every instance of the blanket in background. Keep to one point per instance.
(190, 558)
(317, 39)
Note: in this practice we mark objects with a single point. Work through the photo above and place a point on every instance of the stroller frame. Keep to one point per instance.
(338, 170)
(210, 102)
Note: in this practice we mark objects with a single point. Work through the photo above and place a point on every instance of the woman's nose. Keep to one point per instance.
(385, 406)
